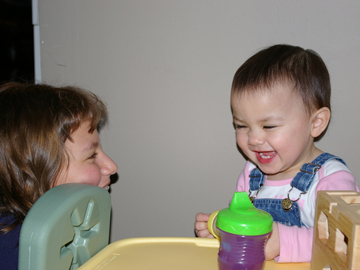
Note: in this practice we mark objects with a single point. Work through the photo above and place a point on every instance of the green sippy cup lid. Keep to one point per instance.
(243, 218)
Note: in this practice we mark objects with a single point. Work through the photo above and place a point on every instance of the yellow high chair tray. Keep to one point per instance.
(162, 253)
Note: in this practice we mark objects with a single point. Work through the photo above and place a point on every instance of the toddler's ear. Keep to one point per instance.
(320, 121)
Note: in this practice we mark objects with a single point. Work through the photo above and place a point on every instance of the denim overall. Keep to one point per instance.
(302, 181)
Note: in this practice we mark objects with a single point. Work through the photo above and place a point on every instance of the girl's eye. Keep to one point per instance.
(93, 156)
(239, 126)
(269, 127)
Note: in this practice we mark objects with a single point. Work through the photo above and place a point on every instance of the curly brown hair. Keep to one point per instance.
(35, 122)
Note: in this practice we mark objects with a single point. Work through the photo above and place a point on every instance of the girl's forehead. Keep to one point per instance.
(275, 101)
(283, 92)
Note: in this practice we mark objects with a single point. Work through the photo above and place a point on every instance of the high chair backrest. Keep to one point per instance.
(65, 227)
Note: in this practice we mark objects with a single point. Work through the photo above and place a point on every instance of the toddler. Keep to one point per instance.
(48, 137)
(280, 100)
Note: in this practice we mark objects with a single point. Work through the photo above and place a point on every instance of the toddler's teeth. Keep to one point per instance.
(262, 155)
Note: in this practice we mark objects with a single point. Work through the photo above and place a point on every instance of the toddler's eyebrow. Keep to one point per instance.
(271, 118)
(266, 119)
(235, 118)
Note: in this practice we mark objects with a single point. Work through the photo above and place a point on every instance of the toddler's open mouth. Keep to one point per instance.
(265, 157)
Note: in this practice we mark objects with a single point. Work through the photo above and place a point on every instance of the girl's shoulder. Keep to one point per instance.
(333, 165)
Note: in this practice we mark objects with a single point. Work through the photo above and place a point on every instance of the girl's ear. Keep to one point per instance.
(320, 121)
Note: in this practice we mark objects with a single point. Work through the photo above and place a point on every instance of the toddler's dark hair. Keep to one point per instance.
(304, 70)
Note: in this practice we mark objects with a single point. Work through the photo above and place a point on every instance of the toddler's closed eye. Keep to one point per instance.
(269, 127)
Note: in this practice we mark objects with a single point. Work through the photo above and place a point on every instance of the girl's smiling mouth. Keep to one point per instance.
(265, 157)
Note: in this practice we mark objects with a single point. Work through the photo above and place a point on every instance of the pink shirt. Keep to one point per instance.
(296, 243)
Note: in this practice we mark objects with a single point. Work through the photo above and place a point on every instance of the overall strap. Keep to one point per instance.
(301, 181)
(304, 178)
(256, 179)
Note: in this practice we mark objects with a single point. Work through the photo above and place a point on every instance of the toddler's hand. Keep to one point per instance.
(272, 248)
(201, 227)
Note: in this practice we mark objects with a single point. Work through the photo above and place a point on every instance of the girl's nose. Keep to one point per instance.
(109, 167)
(255, 139)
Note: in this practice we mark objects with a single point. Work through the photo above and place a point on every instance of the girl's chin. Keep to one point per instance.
(275, 174)
(266, 169)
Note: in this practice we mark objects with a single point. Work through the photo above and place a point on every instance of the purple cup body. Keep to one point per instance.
(240, 252)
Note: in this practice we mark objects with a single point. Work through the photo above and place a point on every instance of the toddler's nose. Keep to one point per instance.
(255, 139)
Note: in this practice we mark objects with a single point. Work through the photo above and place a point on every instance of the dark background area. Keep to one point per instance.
(17, 45)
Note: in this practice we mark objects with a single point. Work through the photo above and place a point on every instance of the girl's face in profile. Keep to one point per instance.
(87, 162)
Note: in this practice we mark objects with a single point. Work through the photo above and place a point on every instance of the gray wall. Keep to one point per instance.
(165, 68)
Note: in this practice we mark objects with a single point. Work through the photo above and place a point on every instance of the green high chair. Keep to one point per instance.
(65, 227)
(68, 228)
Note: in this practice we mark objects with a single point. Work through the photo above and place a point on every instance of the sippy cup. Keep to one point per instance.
(243, 231)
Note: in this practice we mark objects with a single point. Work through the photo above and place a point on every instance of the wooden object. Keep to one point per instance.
(337, 231)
